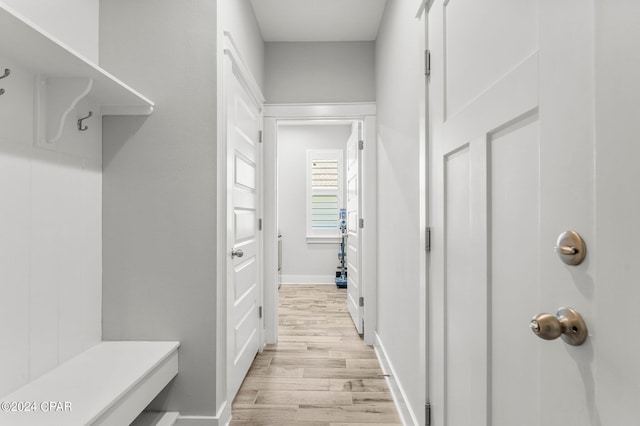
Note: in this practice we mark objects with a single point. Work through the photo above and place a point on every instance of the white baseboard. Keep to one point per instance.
(197, 421)
(407, 415)
(309, 279)
(222, 418)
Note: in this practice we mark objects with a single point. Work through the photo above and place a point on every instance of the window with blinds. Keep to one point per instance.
(324, 178)
(324, 206)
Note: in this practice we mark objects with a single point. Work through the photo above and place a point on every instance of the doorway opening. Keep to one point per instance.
(318, 205)
(319, 162)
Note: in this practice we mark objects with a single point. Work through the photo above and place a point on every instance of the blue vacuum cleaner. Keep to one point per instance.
(341, 273)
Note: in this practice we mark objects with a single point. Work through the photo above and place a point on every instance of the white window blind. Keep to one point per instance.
(324, 174)
(324, 211)
(324, 194)
(324, 206)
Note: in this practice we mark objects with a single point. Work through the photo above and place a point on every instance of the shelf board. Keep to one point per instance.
(44, 55)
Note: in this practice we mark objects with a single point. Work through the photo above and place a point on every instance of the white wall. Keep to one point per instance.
(159, 189)
(303, 262)
(160, 212)
(73, 22)
(319, 72)
(50, 237)
(398, 85)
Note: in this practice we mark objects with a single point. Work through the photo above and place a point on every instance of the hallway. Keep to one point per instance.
(320, 373)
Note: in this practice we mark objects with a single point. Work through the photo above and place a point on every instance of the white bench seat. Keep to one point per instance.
(108, 384)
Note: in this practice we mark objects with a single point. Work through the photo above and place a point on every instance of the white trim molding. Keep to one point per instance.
(242, 69)
(400, 399)
(222, 418)
(338, 111)
(421, 8)
(308, 279)
(198, 421)
(323, 240)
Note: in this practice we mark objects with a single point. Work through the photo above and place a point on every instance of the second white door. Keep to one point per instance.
(354, 284)
(243, 236)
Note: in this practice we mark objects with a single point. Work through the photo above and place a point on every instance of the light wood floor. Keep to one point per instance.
(320, 373)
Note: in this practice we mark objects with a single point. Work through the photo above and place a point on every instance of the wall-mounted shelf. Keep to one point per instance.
(45, 56)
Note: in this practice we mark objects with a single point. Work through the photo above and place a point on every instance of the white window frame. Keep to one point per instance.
(324, 236)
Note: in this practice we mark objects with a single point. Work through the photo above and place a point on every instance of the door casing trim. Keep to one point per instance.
(275, 113)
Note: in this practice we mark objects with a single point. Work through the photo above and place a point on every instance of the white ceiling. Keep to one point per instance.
(319, 20)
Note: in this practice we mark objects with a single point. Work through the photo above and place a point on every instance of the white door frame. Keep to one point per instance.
(425, 236)
(239, 68)
(344, 111)
(425, 197)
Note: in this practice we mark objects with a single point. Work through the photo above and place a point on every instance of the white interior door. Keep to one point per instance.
(353, 181)
(512, 166)
(615, 288)
(243, 237)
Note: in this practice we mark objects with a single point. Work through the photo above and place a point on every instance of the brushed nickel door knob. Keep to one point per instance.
(236, 253)
(567, 323)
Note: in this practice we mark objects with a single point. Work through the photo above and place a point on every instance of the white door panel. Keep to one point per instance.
(511, 129)
(244, 273)
(354, 285)
(244, 226)
(459, 368)
(243, 292)
(506, 34)
(514, 181)
(245, 171)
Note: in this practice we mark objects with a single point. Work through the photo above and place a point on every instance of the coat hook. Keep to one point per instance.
(82, 129)
(7, 71)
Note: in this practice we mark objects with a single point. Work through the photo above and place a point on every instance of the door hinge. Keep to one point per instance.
(259, 224)
(360, 145)
(428, 239)
(361, 301)
(427, 414)
(427, 62)
(259, 311)
(361, 223)
(259, 136)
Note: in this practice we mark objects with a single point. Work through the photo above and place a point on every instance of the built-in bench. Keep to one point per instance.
(108, 384)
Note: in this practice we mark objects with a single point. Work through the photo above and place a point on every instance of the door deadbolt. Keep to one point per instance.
(571, 248)
(567, 323)
(236, 253)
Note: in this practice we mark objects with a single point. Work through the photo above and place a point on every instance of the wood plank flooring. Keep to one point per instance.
(320, 373)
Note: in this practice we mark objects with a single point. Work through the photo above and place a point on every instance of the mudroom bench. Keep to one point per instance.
(108, 384)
